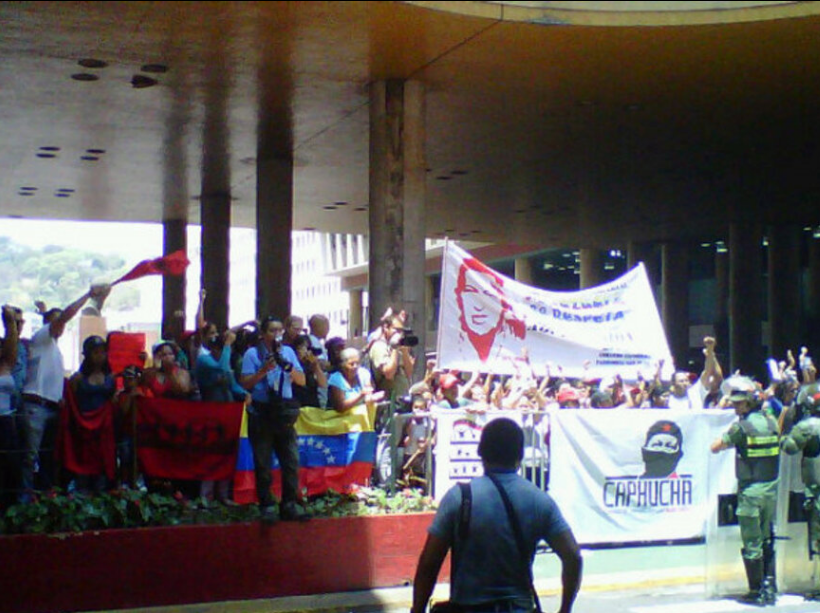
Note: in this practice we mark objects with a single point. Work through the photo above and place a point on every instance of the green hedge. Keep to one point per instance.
(58, 511)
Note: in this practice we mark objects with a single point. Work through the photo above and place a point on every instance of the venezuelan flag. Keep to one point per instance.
(336, 451)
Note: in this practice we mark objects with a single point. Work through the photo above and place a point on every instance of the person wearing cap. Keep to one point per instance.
(568, 397)
(755, 437)
(125, 425)
(390, 359)
(449, 389)
(488, 565)
(805, 437)
(43, 392)
(93, 386)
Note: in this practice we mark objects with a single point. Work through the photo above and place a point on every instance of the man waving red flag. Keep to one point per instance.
(172, 264)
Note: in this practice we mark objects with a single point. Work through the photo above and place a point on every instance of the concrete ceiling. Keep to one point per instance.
(579, 130)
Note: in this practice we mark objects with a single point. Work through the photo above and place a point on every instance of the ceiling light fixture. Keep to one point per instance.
(154, 68)
(139, 81)
(92, 63)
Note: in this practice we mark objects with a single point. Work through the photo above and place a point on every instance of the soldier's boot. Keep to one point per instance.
(754, 576)
(768, 591)
(769, 585)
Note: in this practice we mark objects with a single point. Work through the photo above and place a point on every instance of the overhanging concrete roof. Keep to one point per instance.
(546, 125)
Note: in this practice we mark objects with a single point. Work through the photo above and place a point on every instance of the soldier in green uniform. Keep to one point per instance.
(805, 437)
(755, 437)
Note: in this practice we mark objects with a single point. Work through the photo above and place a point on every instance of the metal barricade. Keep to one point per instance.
(392, 463)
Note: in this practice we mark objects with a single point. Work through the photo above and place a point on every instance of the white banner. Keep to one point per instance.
(456, 450)
(486, 320)
(628, 475)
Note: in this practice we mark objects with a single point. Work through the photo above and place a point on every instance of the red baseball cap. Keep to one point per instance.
(447, 381)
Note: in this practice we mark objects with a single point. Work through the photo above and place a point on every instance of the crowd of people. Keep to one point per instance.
(275, 366)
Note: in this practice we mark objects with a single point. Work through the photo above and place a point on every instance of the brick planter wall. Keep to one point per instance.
(115, 569)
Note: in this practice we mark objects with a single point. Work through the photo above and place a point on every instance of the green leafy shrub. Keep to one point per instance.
(58, 511)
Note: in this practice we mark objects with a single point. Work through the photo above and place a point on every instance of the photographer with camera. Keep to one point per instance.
(390, 357)
(315, 378)
(269, 371)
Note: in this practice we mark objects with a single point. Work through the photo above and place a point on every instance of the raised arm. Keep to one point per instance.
(57, 326)
(712, 375)
(9, 357)
(200, 311)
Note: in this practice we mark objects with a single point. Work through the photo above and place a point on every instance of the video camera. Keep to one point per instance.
(408, 339)
(281, 362)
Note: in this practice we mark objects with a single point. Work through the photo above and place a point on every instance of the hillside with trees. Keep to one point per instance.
(58, 275)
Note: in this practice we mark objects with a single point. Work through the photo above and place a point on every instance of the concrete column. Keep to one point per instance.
(592, 267)
(354, 318)
(643, 252)
(215, 211)
(745, 297)
(784, 290)
(523, 270)
(813, 294)
(174, 238)
(175, 202)
(215, 201)
(429, 310)
(274, 221)
(675, 302)
(722, 303)
(397, 203)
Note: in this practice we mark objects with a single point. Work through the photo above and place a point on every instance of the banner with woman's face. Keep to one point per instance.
(487, 320)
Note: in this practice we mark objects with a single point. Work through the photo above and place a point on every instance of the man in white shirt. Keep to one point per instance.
(686, 395)
(43, 392)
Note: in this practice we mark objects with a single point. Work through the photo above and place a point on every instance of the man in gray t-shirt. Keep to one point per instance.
(488, 569)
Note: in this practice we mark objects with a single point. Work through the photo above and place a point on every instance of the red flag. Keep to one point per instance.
(172, 264)
(85, 441)
(183, 439)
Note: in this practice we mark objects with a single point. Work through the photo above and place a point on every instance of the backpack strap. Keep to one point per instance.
(466, 508)
(463, 522)
(519, 538)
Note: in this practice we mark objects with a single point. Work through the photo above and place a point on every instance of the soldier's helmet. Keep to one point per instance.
(809, 398)
(741, 387)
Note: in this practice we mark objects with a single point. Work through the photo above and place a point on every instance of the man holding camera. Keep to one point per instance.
(269, 371)
(391, 359)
